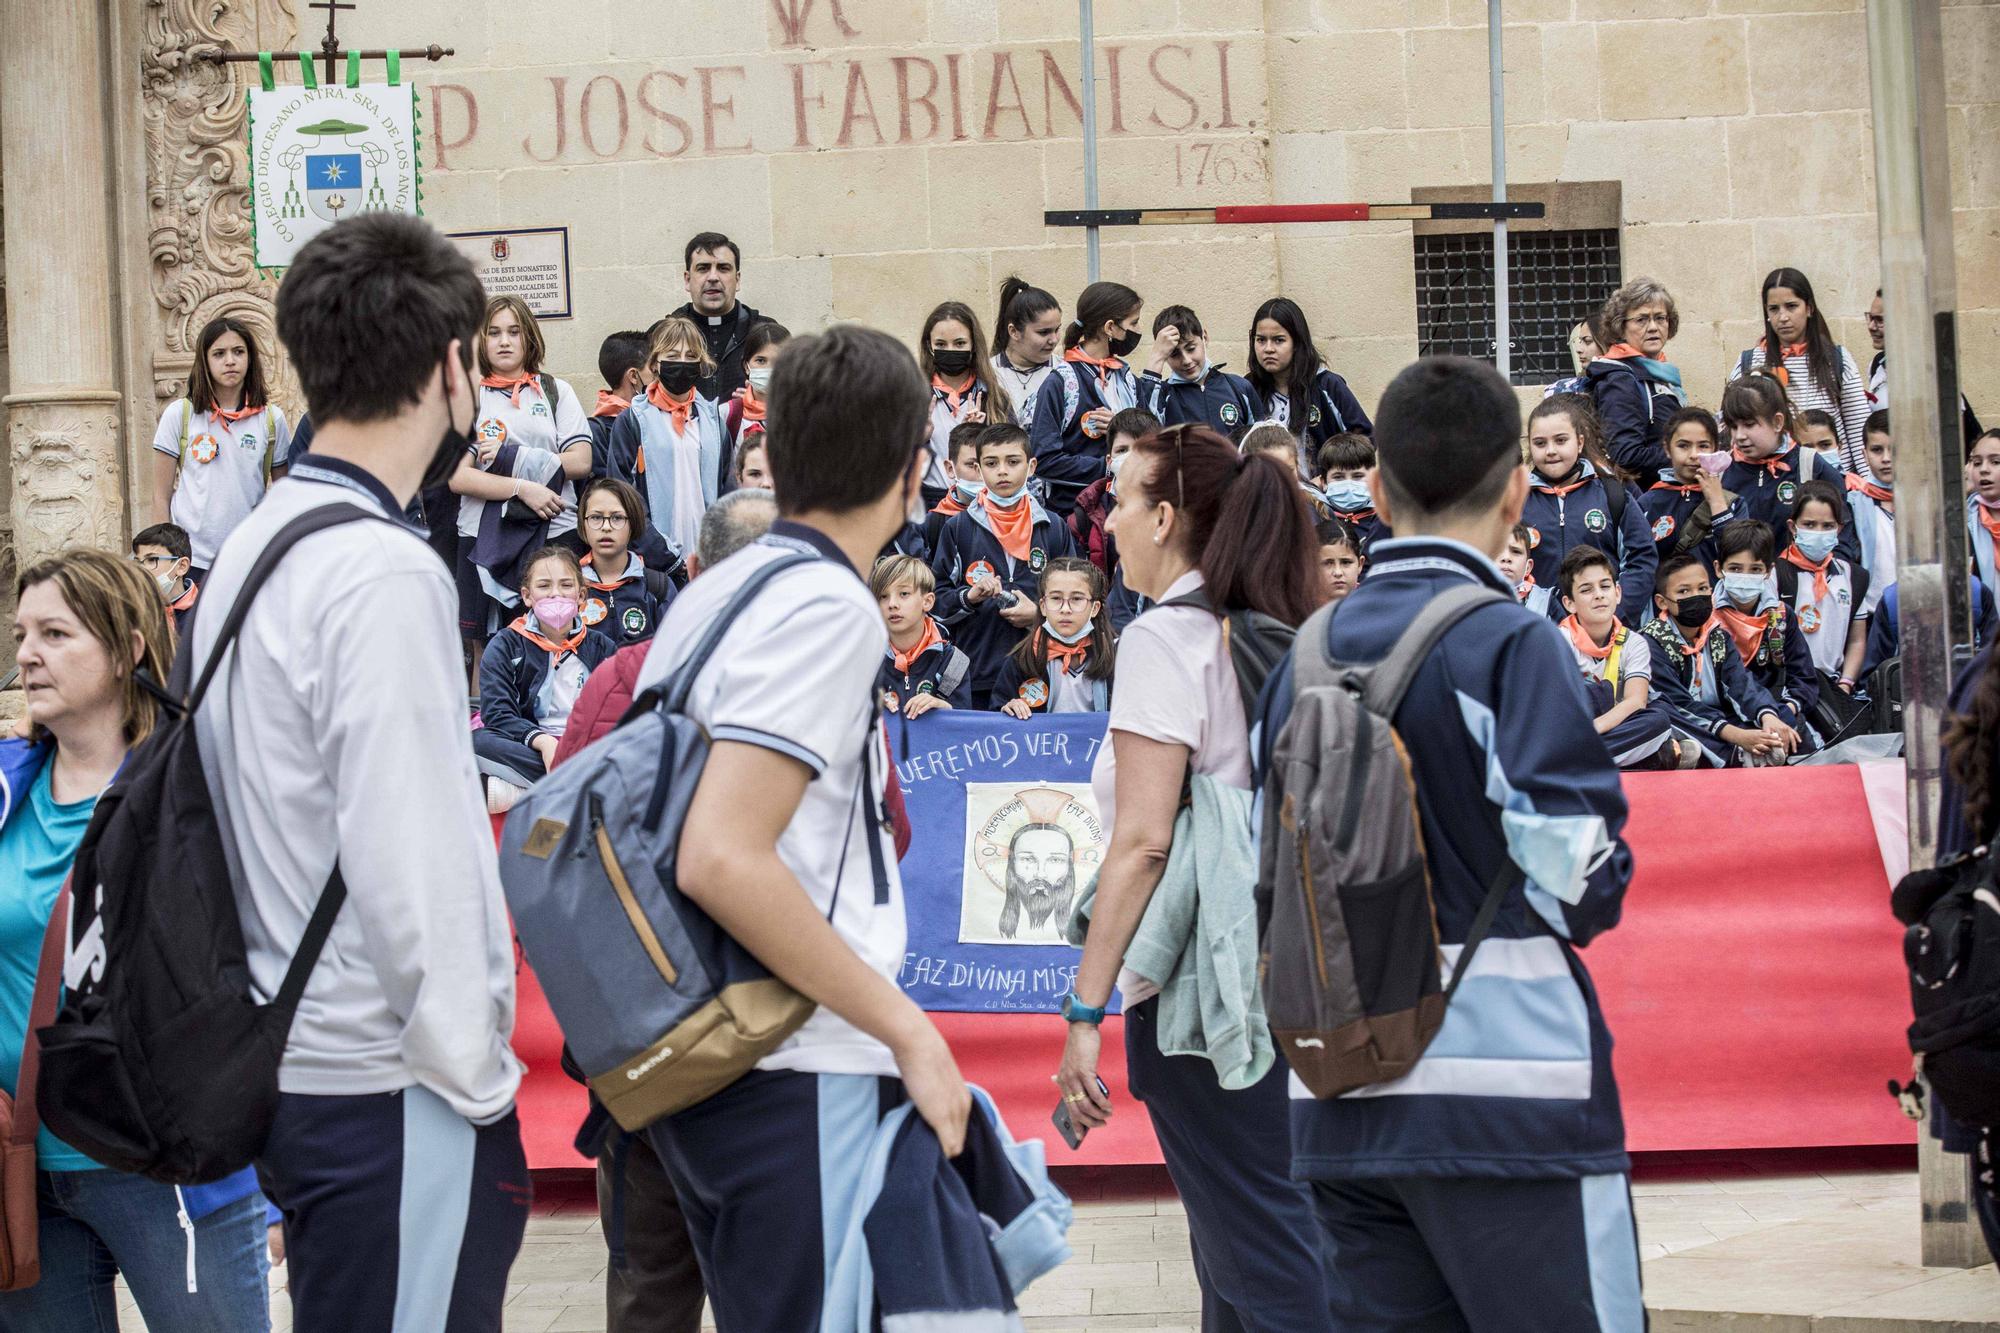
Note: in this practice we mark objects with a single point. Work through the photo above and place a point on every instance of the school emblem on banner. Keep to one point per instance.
(321, 154)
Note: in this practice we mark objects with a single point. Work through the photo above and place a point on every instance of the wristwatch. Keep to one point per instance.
(1075, 1010)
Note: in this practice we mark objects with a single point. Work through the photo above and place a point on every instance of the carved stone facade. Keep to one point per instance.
(61, 453)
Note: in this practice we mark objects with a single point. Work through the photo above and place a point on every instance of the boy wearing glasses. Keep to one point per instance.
(622, 597)
(165, 553)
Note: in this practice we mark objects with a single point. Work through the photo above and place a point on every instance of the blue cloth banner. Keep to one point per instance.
(1006, 837)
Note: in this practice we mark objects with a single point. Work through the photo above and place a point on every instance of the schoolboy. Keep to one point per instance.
(621, 362)
(1687, 503)
(1616, 662)
(1768, 636)
(1519, 567)
(165, 553)
(1828, 596)
(1715, 703)
(988, 560)
(1344, 463)
(1181, 386)
(1094, 505)
(961, 464)
(793, 862)
(1871, 498)
(922, 670)
(1481, 1194)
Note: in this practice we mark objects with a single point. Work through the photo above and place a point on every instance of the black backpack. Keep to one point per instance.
(1952, 948)
(160, 1063)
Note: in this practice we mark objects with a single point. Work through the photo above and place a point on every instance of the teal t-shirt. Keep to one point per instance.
(36, 849)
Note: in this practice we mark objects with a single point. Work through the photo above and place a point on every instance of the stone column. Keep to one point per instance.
(63, 414)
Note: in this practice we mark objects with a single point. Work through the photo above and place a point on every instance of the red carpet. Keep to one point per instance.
(1755, 987)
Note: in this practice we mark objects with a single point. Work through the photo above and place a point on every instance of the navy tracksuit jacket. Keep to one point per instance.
(1670, 508)
(940, 669)
(1067, 460)
(1739, 700)
(1576, 513)
(1768, 491)
(1223, 402)
(967, 543)
(1634, 408)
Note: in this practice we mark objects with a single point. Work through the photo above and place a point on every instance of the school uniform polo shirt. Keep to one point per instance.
(533, 423)
(796, 674)
(222, 473)
(1635, 660)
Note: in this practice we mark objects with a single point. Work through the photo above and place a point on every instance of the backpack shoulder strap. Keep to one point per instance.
(681, 684)
(548, 383)
(1615, 496)
(1311, 667)
(187, 428)
(1743, 362)
(305, 525)
(1788, 581)
(1390, 678)
(658, 583)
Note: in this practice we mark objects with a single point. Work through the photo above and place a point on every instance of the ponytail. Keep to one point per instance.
(1019, 304)
(1101, 303)
(1072, 334)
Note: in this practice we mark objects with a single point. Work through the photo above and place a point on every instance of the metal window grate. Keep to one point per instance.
(1554, 278)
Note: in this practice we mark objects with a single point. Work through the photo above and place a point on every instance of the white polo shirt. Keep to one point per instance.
(796, 674)
(533, 423)
(222, 474)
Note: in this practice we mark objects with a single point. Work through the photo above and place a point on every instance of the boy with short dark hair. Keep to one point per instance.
(1518, 565)
(961, 464)
(1616, 662)
(1714, 701)
(621, 362)
(1871, 497)
(1489, 1191)
(1767, 634)
(1344, 463)
(922, 671)
(988, 560)
(1181, 386)
(166, 554)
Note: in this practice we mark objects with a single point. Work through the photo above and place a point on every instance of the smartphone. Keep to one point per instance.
(1073, 1133)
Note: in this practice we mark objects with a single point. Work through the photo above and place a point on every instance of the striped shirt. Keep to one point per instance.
(1849, 407)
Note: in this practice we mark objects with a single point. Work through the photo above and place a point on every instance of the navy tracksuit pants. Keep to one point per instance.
(1257, 1251)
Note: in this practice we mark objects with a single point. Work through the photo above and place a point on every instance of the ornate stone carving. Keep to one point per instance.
(198, 182)
(65, 463)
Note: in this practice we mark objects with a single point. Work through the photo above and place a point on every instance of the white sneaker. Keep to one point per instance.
(501, 795)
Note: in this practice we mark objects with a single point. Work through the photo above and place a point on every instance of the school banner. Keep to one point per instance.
(320, 154)
(1006, 837)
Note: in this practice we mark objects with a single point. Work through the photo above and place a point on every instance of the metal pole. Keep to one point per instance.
(1087, 35)
(1919, 298)
(1503, 357)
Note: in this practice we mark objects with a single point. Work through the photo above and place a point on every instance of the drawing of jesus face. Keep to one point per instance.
(1041, 877)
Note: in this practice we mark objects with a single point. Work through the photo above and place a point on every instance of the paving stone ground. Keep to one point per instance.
(1800, 1250)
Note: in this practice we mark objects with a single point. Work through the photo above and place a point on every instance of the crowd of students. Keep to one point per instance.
(1030, 528)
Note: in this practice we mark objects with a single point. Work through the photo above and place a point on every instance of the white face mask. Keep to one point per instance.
(169, 585)
(760, 379)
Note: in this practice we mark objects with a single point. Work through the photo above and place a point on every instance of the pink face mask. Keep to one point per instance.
(558, 611)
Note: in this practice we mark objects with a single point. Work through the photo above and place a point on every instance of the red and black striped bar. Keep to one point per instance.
(1237, 214)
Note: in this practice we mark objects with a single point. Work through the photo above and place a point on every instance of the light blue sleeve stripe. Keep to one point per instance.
(1613, 1245)
(752, 736)
(438, 1147)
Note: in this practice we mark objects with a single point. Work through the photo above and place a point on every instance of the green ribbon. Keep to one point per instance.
(395, 67)
(354, 69)
(306, 74)
(265, 72)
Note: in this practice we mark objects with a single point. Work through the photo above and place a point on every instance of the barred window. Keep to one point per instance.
(1554, 279)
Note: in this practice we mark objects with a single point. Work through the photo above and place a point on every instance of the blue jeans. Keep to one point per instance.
(98, 1224)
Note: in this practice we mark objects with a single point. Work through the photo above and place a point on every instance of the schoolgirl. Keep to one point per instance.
(530, 441)
(921, 670)
(1340, 557)
(1828, 596)
(530, 676)
(1084, 390)
(1688, 503)
(1982, 507)
(1818, 433)
(1576, 497)
(1026, 333)
(1298, 390)
(1815, 371)
(621, 597)
(621, 363)
(1768, 468)
(672, 446)
(1065, 664)
(952, 354)
(1183, 388)
(743, 419)
(217, 450)
(1616, 662)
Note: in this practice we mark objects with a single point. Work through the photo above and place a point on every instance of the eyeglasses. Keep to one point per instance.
(1873, 321)
(153, 561)
(606, 521)
(1068, 601)
(1648, 321)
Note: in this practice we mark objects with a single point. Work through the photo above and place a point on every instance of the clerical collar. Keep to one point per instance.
(715, 320)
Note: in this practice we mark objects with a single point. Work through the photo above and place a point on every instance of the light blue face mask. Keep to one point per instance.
(967, 491)
(1348, 496)
(1745, 590)
(1815, 545)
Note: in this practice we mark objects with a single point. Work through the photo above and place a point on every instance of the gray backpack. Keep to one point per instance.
(1351, 965)
(661, 1008)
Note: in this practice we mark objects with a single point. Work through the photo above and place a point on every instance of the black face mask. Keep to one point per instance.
(1125, 343)
(951, 362)
(677, 377)
(452, 448)
(1693, 612)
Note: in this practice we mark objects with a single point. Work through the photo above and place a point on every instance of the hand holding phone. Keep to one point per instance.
(1073, 1133)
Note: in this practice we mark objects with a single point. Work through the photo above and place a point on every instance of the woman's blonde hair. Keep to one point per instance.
(531, 334)
(115, 600)
(679, 333)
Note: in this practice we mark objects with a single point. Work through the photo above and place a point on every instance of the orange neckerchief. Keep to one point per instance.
(679, 409)
(1626, 351)
(1580, 636)
(1688, 489)
(930, 639)
(950, 505)
(590, 569)
(1777, 368)
(1745, 628)
(230, 417)
(186, 599)
(753, 407)
(1776, 463)
(1014, 527)
(1105, 365)
(1879, 494)
(1525, 586)
(609, 404)
(513, 384)
(1073, 656)
(953, 397)
(1700, 637)
(1797, 557)
(1988, 519)
(525, 626)
(1548, 487)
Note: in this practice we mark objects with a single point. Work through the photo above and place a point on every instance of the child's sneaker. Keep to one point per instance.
(500, 795)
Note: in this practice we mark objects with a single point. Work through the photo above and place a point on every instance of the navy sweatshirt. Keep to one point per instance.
(626, 608)
(940, 669)
(1518, 1082)
(1768, 491)
(1634, 408)
(1670, 507)
(1067, 460)
(1740, 700)
(511, 676)
(1330, 409)
(1223, 402)
(1577, 513)
(967, 545)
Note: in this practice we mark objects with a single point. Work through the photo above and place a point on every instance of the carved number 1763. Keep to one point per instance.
(1230, 162)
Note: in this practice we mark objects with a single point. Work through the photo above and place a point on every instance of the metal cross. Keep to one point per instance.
(330, 44)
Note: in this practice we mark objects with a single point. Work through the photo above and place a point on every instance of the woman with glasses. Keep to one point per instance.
(1632, 384)
(1203, 532)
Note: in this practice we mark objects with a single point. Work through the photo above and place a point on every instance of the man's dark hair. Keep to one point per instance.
(368, 309)
(1580, 559)
(169, 537)
(848, 410)
(1673, 565)
(1349, 449)
(1136, 422)
(715, 243)
(1447, 436)
(1745, 536)
(1003, 433)
(618, 353)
